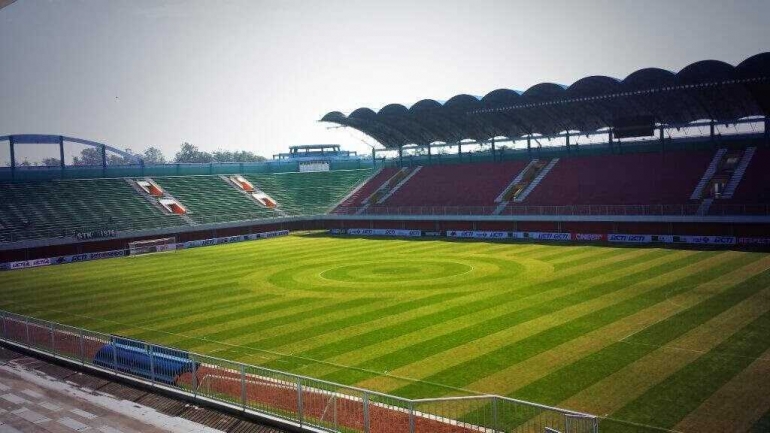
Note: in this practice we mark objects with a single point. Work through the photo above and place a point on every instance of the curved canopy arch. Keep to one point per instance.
(31, 139)
(707, 89)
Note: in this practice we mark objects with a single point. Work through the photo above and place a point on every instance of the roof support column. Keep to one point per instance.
(13, 156)
(61, 152)
(494, 157)
(711, 130)
(529, 144)
(400, 156)
(374, 157)
(430, 157)
(567, 137)
(460, 150)
(661, 133)
(767, 131)
(609, 140)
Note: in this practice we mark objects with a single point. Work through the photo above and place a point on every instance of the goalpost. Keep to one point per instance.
(152, 246)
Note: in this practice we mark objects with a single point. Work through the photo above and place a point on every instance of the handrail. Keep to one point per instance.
(268, 392)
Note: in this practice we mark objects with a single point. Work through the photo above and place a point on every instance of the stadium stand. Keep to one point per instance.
(211, 199)
(652, 178)
(310, 192)
(755, 186)
(358, 197)
(62, 208)
(456, 185)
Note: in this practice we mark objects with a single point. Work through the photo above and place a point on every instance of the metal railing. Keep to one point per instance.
(576, 210)
(312, 404)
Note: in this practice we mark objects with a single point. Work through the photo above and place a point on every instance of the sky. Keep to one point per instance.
(258, 75)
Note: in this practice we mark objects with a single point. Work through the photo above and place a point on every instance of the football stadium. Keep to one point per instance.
(589, 267)
(582, 258)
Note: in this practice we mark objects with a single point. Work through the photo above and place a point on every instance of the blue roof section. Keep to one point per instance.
(708, 89)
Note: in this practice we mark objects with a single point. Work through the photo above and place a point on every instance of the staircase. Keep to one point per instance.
(155, 201)
(355, 190)
(399, 185)
(515, 180)
(708, 174)
(249, 194)
(703, 209)
(523, 195)
(737, 175)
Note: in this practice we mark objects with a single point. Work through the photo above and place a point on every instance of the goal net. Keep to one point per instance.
(152, 246)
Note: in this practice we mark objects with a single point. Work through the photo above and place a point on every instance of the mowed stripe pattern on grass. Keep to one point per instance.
(557, 324)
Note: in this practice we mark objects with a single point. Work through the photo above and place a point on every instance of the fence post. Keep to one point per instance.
(195, 379)
(5, 332)
(366, 412)
(243, 386)
(299, 400)
(115, 357)
(53, 340)
(82, 350)
(152, 365)
(495, 427)
(26, 326)
(411, 417)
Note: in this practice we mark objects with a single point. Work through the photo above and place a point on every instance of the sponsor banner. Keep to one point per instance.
(754, 241)
(589, 237)
(272, 234)
(547, 236)
(634, 239)
(106, 254)
(432, 234)
(705, 240)
(666, 239)
(167, 247)
(30, 263)
(337, 231)
(477, 234)
(121, 253)
(233, 239)
(386, 232)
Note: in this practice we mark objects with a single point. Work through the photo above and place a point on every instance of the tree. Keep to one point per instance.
(153, 155)
(51, 162)
(88, 156)
(114, 159)
(190, 153)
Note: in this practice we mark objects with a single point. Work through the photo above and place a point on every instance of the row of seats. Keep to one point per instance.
(650, 179)
(62, 208)
(356, 200)
(309, 193)
(210, 199)
(663, 180)
(456, 185)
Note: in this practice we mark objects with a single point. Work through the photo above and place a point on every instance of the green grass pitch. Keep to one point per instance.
(675, 339)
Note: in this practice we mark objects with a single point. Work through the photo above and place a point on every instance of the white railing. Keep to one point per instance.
(311, 404)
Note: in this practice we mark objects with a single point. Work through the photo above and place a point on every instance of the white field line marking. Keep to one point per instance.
(667, 299)
(472, 268)
(701, 352)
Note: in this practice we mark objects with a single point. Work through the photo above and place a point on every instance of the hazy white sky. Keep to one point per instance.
(257, 75)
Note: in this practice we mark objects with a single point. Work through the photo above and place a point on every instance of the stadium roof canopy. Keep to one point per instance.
(708, 89)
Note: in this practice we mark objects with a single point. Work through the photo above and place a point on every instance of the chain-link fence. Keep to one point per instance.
(307, 402)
